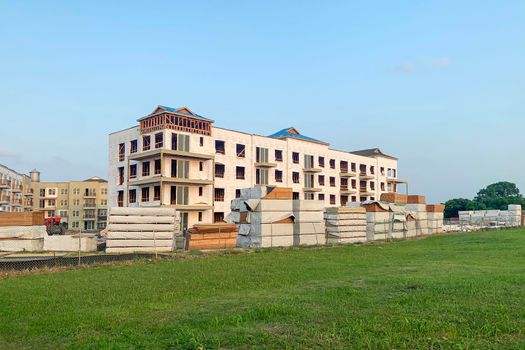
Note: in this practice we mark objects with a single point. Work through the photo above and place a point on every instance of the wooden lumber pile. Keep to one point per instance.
(142, 230)
(393, 197)
(264, 216)
(35, 218)
(345, 225)
(212, 236)
(309, 225)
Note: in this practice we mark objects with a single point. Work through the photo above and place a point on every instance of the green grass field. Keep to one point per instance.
(450, 292)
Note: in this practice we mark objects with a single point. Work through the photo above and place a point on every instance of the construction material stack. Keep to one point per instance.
(435, 217)
(309, 225)
(514, 215)
(212, 236)
(345, 225)
(416, 206)
(142, 230)
(22, 231)
(264, 216)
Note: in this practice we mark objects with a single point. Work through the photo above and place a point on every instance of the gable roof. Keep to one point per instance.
(372, 152)
(292, 132)
(183, 111)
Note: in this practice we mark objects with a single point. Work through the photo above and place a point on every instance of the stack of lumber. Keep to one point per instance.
(212, 236)
(264, 216)
(309, 225)
(22, 238)
(435, 217)
(393, 197)
(345, 225)
(35, 218)
(142, 230)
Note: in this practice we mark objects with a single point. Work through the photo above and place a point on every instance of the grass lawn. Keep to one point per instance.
(462, 291)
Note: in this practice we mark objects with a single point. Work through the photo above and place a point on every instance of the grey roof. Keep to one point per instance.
(372, 152)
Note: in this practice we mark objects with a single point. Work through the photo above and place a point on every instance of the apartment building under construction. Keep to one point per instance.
(15, 191)
(177, 158)
(81, 205)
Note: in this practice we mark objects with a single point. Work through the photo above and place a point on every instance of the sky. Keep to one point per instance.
(438, 84)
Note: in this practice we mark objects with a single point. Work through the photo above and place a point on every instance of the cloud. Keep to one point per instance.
(5, 153)
(441, 62)
(432, 64)
(406, 68)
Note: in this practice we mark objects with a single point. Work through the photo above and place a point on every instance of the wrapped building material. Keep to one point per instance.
(345, 225)
(141, 229)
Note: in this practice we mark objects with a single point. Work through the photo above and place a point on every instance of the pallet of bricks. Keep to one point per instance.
(345, 225)
(142, 230)
(22, 231)
(309, 224)
(264, 216)
(212, 236)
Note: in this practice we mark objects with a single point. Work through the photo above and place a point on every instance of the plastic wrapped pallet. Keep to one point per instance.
(309, 225)
(345, 225)
(142, 230)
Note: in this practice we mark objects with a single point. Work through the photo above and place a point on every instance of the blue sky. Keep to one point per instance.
(438, 84)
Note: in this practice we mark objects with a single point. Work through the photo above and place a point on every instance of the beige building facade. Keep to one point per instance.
(177, 158)
(81, 205)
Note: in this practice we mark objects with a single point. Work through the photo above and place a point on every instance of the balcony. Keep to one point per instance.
(17, 202)
(311, 189)
(90, 194)
(168, 152)
(90, 205)
(265, 165)
(5, 199)
(16, 189)
(164, 179)
(365, 192)
(89, 217)
(4, 183)
(346, 173)
(364, 176)
(345, 190)
(312, 170)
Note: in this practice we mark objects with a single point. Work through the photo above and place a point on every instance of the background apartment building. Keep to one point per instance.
(82, 205)
(15, 191)
(177, 158)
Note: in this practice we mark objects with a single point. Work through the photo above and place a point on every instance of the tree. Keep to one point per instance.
(454, 206)
(499, 195)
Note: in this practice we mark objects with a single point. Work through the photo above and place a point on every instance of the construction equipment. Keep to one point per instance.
(54, 226)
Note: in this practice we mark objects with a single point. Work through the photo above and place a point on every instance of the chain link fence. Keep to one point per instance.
(17, 263)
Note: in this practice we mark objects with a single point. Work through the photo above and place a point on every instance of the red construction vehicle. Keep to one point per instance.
(54, 226)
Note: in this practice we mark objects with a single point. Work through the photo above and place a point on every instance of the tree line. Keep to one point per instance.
(493, 197)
